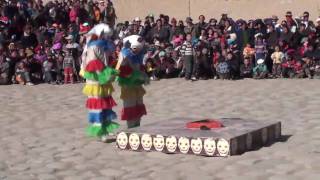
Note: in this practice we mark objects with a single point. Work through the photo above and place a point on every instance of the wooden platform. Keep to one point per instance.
(171, 136)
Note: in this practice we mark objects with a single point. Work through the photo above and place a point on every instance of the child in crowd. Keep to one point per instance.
(59, 68)
(223, 69)
(48, 68)
(277, 58)
(23, 74)
(248, 51)
(187, 52)
(246, 68)
(260, 71)
(68, 67)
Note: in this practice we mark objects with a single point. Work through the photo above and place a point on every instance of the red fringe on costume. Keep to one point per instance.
(95, 65)
(125, 71)
(100, 103)
(131, 113)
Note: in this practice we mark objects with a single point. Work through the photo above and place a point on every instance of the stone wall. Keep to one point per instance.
(246, 9)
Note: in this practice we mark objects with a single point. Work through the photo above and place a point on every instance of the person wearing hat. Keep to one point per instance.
(290, 22)
(131, 79)
(260, 71)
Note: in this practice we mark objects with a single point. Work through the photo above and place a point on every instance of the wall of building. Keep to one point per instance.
(246, 9)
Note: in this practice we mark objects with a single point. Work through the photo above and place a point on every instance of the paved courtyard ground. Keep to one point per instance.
(42, 132)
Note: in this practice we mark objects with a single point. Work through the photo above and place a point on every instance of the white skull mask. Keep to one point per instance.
(209, 146)
(146, 142)
(122, 140)
(158, 142)
(223, 147)
(134, 141)
(184, 145)
(196, 145)
(171, 144)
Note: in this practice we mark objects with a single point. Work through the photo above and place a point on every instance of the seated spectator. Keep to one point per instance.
(233, 65)
(260, 71)
(23, 74)
(292, 68)
(164, 67)
(246, 68)
(309, 67)
(223, 69)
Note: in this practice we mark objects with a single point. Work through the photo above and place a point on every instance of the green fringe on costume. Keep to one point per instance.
(136, 78)
(98, 131)
(103, 77)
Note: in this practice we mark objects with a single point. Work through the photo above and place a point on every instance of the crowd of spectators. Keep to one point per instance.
(43, 43)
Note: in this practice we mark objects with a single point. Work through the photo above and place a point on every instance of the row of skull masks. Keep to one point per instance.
(208, 146)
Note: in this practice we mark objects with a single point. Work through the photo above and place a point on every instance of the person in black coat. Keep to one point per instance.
(28, 39)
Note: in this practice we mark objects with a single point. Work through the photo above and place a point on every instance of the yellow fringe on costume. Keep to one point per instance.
(81, 73)
(98, 90)
(132, 92)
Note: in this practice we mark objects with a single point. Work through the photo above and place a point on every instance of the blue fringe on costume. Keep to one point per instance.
(105, 44)
(134, 58)
(101, 117)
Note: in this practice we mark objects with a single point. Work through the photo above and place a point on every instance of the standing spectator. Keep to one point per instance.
(160, 32)
(200, 25)
(48, 68)
(68, 67)
(277, 58)
(187, 53)
(292, 25)
(109, 13)
(59, 68)
(189, 29)
(174, 29)
(260, 47)
(286, 34)
(4, 68)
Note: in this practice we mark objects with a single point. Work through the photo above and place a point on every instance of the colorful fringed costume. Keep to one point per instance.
(98, 88)
(131, 78)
